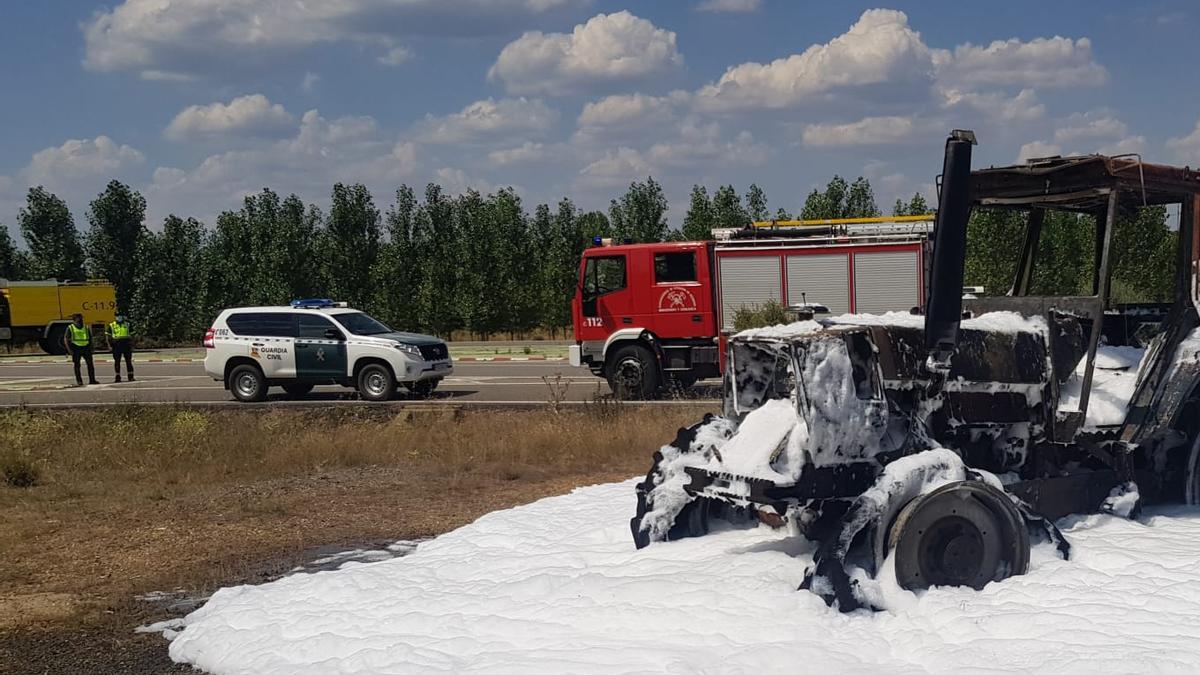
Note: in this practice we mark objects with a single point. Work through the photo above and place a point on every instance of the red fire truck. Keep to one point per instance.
(648, 316)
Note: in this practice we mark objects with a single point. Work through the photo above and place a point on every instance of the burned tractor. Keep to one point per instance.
(943, 444)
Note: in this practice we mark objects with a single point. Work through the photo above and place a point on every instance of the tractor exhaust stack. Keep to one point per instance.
(944, 309)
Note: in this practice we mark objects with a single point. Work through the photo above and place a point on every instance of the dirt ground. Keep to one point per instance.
(78, 552)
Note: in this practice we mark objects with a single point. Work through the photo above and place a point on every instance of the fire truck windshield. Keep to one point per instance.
(603, 275)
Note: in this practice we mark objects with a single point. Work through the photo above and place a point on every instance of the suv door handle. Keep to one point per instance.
(301, 345)
(257, 344)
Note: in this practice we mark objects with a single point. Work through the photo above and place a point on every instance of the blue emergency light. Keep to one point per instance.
(313, 303)
(597, 240)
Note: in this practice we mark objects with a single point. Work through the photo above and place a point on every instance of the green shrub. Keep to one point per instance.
(769, 313)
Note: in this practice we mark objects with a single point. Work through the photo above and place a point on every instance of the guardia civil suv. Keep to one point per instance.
(314, 342)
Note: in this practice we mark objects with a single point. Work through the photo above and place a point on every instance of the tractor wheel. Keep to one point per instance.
(633, 375)
(961, 534)
(1191, 478)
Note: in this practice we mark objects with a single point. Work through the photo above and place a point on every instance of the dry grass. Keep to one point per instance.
(144, 449)
(137, 499)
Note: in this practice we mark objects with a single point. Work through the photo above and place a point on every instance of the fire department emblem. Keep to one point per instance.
(677, 300)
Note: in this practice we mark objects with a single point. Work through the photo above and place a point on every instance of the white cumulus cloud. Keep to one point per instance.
(879, 48)
(99, 158)
(526, 152)
(607, 48)
(867, 131)
(1024, 107)
(489, 117)
(622, 109)
(396, 56)
(1187, 147)
(729, 5)
(177, 40)
(1037, 149)
(1089, 126)
(1041, 62)
(322, 152)
(252, 114)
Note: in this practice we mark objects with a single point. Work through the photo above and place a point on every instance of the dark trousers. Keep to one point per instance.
(122, 348)
(84, 353)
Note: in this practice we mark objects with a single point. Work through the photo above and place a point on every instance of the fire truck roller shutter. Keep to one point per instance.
(747, 282)
(822, 279)
(886, 282)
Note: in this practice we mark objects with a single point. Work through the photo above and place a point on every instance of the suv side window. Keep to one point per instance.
(312, 327)
(672, 268)
(262, 324)
(243, 323)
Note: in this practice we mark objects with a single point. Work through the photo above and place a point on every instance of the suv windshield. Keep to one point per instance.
(361, 324)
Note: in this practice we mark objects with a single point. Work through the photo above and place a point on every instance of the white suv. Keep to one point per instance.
(319, 342)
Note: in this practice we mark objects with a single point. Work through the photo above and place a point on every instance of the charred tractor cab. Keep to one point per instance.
(943, 444)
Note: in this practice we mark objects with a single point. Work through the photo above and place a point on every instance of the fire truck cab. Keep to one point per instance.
(645, 315)
(654, 316)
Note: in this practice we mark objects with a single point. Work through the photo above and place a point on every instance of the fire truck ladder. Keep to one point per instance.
(920, 224)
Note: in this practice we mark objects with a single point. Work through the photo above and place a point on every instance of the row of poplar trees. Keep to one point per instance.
(470, 264)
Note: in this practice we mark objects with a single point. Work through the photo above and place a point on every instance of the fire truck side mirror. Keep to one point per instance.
(589, 306)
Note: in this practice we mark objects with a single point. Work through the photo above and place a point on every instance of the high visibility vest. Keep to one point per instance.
(80, 337)
(118, 331)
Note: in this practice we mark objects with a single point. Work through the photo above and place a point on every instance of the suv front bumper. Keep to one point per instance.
(415, 371)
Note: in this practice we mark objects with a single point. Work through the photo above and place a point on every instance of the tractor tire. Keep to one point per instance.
(633, 373)
(961, 534)
(1191, 477)
(247, 384)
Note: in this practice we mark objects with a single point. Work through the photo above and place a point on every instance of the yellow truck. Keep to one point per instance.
(39, 311)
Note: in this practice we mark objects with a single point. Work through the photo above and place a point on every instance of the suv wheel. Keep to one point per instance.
(247, 384)
(376, 383)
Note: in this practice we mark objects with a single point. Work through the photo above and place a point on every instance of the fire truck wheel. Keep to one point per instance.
(961, 534)
(632, 375)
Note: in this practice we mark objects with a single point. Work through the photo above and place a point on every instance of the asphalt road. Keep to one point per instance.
(508, 383)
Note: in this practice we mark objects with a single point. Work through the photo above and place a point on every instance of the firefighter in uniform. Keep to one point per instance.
(121, 342)
(78, 340)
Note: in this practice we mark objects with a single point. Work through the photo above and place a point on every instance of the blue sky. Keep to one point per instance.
(198, 102)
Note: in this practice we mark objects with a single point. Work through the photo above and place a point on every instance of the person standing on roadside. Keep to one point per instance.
(120, 340)
(78, 340)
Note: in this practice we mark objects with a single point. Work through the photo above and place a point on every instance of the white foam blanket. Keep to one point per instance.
(556, 586)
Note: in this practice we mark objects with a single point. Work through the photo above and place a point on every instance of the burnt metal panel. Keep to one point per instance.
(981, 356)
